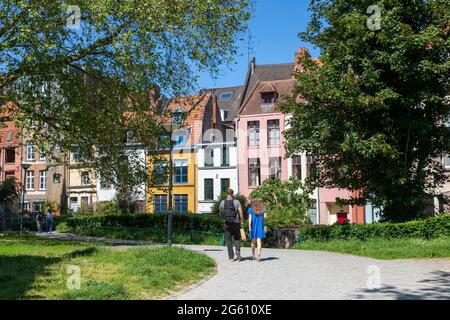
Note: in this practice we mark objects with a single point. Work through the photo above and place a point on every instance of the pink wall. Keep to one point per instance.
(264, 152)
(328, 196)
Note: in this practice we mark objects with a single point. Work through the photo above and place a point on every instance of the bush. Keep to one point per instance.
(205, 223)
(430, 228)
(278, 216)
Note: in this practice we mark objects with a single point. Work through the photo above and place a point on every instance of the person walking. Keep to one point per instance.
(39, 219)
(50, 221)
(257, 228)
(231, 211)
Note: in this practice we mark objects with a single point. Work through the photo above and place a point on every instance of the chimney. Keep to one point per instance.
(299, 54)
(253, 65)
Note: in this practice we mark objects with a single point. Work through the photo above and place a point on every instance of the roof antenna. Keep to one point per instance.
(250, 48)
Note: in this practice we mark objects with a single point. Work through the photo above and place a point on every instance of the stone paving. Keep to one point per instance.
(304, 275)
(308, 275)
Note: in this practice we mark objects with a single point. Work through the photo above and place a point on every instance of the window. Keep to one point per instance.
(268, 97)
(38, 206)
(254, 172)
(30, 151)
(297, 167)
(225, 114)
(310, 165)
(159, 204)
(224, 185)
(84, 201)
(30, 180)
(76, 156)
(253, 133)
(180, 140)
(10, 155)
(85, 178)
(209, 189)
(9, 136)
(209, 157)
(105, 184)
(181, 203)
(225, 96)
(274, 132)
(160, 172)
(42, 153)
(275, 168)
(56, 178)
(226, 156)
(42, 179)
(181, 171)
(447, 161)
(312, 212)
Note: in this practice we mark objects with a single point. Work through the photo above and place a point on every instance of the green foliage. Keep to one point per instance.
(376, 104)
(106, 208)
(206, 223)
(279, 216)
(430, 228)
(9, 190)
(241, 198)
(77, 83)
(383, 248)
(287, 202)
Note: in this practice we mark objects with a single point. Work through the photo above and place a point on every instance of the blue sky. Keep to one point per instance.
(274, 26)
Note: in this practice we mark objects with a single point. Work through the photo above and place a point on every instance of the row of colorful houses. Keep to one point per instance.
(225, 138)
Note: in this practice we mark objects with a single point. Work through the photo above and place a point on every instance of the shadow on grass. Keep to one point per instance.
(436, 287)
(18, 273)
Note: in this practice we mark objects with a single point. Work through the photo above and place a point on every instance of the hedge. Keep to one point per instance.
(430, 228)
(204, 223)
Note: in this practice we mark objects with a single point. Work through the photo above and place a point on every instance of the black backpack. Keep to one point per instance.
(229, 211)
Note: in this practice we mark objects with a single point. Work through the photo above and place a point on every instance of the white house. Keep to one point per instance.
(217, 172)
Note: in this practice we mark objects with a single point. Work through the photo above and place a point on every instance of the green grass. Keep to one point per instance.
(383, 248)
(34, 268)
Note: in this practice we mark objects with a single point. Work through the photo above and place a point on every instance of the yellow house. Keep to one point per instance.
(197, 111)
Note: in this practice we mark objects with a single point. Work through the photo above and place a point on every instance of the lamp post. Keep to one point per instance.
(175, 124)
(25, 167)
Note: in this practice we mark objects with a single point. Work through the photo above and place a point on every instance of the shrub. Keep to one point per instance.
(279, 216)
(430, 228)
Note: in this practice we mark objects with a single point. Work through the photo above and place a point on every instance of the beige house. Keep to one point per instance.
(82, 191)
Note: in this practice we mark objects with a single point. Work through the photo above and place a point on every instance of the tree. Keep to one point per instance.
(287, 201)
(375, 108)
(8, 190)
(69, 73)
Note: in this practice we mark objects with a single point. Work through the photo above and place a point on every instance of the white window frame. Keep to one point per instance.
(29, 180)
(42, 180)
(30, 152)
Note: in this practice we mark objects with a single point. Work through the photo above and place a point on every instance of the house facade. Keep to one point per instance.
(191, 117)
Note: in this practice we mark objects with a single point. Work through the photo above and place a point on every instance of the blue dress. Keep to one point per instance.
(257, 225)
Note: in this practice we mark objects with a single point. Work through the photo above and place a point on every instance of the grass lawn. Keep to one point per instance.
(383, 248)
(34, 268)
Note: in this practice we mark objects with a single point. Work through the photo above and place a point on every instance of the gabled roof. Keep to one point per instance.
(232, 105)
(254, 103)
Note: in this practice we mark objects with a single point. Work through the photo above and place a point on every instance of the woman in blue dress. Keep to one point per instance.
(257, 229)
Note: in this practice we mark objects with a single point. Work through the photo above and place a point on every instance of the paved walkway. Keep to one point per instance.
(300, 275)
(309, 275)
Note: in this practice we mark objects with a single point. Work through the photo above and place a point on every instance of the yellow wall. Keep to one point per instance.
(189, 189)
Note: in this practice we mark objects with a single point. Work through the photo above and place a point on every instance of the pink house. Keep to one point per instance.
(260, 128)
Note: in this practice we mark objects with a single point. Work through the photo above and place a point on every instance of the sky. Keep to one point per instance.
(274, 27)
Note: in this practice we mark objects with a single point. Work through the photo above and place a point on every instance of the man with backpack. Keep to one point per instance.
(231, 211)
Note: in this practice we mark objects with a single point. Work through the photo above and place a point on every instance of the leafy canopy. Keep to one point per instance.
(376, 108)
(72, 79)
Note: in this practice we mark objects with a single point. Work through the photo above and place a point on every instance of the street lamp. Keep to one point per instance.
(25, 167)
(175, 124)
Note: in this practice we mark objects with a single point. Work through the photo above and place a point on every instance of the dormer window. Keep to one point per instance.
(269, 97)
(226, 96)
